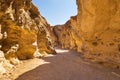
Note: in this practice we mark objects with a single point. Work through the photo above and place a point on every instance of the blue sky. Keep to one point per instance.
(56, 11)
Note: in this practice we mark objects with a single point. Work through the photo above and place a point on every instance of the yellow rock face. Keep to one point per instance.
(100, 29)
(24, 34)
(22, 26)
(95, 31)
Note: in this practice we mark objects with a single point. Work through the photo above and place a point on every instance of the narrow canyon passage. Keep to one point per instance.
(30, 29)
(68, 65)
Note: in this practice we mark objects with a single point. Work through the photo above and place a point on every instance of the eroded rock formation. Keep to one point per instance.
(95, 32)
(24, 33)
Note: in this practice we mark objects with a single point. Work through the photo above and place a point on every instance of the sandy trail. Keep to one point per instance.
(66, 65)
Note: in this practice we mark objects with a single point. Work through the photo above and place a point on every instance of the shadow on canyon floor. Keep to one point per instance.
(68, 65)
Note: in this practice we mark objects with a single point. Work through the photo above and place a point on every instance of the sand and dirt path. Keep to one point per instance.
(66, 65)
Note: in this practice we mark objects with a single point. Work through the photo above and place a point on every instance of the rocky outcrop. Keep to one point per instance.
(5, 67)
(24, 33)
(98, 30)
(24, 28)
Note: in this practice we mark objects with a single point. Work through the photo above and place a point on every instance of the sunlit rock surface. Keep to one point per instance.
(21, 25)
(95, 32)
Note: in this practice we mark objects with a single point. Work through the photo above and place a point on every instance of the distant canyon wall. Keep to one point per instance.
(68, 35)
(95, 31)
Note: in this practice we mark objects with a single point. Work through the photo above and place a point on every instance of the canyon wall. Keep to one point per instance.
(95, 32)
(68, 34)
(24, 33)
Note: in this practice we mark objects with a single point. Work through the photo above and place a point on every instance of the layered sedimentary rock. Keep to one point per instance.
(24, 33)
(98, 28)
